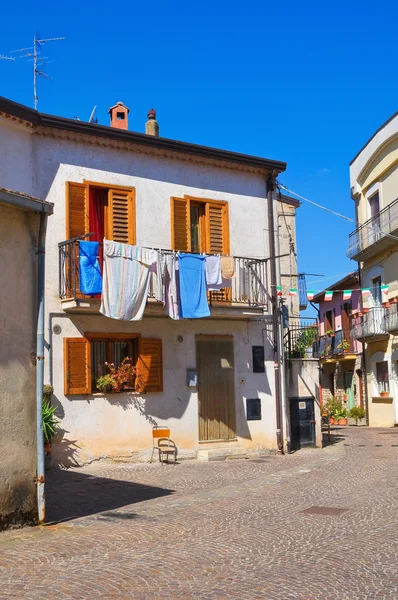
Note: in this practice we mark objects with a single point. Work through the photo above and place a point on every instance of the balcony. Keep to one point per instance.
(374, 232)
(248, 295)
(391, 319)
(372, 327)
(336, 347)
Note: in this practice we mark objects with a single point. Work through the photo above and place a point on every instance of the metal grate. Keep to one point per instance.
(324, 510)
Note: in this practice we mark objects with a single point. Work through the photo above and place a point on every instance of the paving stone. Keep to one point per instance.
(217, 530)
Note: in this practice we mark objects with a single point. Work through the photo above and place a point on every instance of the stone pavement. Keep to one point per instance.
(229, 530)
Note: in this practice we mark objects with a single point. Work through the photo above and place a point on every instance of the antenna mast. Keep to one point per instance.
(38, 62)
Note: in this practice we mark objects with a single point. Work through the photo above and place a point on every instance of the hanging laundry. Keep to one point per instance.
(160, 272)
(213, 272)
(193, 297)
(90, 278)
(227, 267)
(172, 287)
(127, 271)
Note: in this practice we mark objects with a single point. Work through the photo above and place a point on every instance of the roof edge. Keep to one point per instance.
(373, 136)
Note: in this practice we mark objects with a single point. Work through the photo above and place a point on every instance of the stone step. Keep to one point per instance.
(211, 454)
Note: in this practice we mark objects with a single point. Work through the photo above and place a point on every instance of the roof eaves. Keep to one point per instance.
(373, 136)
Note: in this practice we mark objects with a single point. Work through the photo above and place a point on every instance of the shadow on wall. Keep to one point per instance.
(71, 495)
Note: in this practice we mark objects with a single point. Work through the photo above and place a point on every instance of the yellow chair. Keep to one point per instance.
(163, 444)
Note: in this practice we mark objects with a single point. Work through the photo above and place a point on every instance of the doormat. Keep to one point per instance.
(324, 510)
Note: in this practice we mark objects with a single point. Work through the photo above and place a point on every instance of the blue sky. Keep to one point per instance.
(304, 82)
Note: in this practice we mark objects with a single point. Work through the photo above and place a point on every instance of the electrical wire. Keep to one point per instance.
(336, 214)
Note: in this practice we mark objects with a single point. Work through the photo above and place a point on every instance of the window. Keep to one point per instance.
(199, 225)
(111, 351)
(383, 383)
(120, 116)
(84, 360)
(329, 320)
(374, 203)
(101, 210)
(376, 290)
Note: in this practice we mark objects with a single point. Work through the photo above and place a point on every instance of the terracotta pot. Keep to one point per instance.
(384, 394)
(342, 421)
(332, 421)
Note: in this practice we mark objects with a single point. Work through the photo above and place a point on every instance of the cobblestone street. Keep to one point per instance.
(236, 529)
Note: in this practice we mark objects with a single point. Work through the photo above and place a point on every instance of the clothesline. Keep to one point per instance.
(182, 280)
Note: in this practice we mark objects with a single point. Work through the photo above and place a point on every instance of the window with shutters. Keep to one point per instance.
(103, 211)
(199, 225)
(84, 361)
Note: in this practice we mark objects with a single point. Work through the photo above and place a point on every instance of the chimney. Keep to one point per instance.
(119, 116)
(152, 126)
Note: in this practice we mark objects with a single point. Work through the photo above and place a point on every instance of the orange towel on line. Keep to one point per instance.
(227, 267)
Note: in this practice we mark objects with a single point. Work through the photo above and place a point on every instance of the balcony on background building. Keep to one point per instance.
(302, 340)
(373, 325)
(391, 319)
(247, 296)
(375, 232)
(338, 346)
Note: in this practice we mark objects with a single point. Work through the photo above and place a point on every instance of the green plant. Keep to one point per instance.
(334, 407)
(307, 337)
(344, 345)
(49, 421)
(329, 332)
(357, 412)
(105, 384)
(48, 391)
(341, 413)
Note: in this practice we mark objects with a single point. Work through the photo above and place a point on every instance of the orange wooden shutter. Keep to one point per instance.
(180, 224)
(149, 366)
(217, 229)
(76, 210)
(77, 366)
(121, 216)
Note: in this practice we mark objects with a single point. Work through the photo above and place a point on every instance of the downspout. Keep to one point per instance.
(40, 367)
(271, 182)
(365, 374)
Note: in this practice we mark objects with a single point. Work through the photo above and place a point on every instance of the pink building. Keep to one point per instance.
(341, 372)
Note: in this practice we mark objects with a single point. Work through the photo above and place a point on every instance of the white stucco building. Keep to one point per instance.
(157, 193)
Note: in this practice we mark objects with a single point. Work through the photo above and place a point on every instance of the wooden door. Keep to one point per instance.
(216, 389)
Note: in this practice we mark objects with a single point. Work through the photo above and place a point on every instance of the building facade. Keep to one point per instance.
(341, 362)
(19, 232)
(211, 381)
(374, 245)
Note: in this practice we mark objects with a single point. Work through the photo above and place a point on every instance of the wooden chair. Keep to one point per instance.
(163, 444)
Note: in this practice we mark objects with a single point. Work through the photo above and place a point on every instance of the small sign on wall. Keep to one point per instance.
(253, 409)
(258, 359)
(303, 405)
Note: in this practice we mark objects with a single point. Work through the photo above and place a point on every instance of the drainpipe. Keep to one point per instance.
(271, 184)
(365, 374)
(40, 367)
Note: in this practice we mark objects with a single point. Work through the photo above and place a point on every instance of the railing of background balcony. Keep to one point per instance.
(374, 229)
(373, 324)
(336, 345)
(249, 286)
(302, 341)
(391, 318)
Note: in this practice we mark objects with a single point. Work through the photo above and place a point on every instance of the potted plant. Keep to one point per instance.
(105, 384)
(343, 345)
(49, 422)
(384, 394)
(329, 332)
(357, 413)
(342, 417)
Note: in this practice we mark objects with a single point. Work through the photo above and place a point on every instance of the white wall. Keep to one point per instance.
(15, 157)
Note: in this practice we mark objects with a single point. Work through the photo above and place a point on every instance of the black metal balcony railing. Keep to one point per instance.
(373, 324)
(302, 341)
(338, 344)
(375, 229)
(249, 286)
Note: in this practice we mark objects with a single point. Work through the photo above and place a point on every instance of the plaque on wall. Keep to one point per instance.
(258, 359)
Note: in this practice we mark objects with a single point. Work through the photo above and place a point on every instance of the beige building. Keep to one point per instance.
(19, 231)
(286, 208)
(374, 245)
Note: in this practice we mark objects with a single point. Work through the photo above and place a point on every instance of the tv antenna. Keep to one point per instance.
(4, 57)
(38, 61)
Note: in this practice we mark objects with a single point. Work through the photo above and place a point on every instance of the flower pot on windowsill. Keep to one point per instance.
(365, 310)
(384, 394)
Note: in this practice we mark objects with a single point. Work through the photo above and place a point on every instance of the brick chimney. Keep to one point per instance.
(152, 126)
(119, 116)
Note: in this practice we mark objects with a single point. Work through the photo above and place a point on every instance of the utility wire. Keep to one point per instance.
(375, 229)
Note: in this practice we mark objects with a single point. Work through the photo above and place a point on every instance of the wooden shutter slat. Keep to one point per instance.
(180, 224)
(76, 210)
(149, 366)
(121, 216)
(77, 366)
(216, 228)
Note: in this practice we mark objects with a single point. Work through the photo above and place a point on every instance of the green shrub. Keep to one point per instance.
(357, 412)
(49, 421)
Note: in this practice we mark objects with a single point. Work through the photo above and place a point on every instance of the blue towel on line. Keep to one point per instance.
(193, 297)
(89, 269)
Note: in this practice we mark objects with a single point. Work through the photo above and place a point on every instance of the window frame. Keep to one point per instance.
(109, 339)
